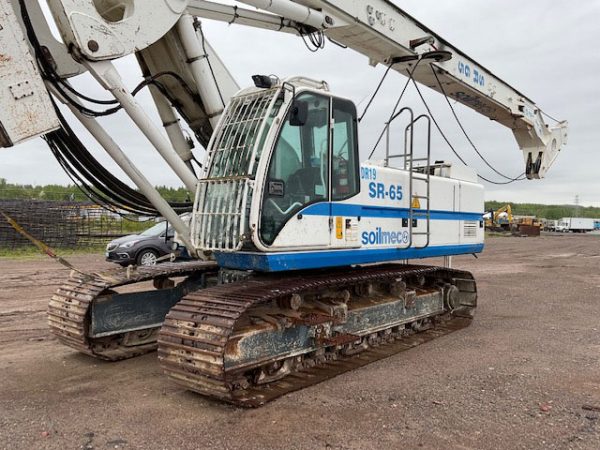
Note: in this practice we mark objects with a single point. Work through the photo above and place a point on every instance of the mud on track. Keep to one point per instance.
(517, 378)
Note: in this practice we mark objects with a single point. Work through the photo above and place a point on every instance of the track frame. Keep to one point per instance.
(200, 336)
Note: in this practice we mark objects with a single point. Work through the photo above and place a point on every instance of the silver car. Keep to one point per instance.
(142, 249)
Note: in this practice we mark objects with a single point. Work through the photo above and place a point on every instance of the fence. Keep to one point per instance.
(66, 224)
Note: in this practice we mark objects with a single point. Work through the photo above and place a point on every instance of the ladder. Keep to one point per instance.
(417, 174)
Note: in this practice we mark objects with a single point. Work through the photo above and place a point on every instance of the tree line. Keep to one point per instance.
(11, 191)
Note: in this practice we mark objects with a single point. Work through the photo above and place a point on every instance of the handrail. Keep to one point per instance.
(408, 165)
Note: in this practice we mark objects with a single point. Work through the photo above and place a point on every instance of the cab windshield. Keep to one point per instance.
(240, 131)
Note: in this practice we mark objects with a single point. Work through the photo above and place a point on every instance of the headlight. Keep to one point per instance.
(129, 244)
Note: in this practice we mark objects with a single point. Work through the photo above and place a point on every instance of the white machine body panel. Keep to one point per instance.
(374, 226)
(377, 217)
(26, 110)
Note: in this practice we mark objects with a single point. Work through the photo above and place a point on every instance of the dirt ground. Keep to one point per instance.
(526, 374)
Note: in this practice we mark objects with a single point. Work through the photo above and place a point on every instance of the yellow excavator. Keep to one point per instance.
(500, 220)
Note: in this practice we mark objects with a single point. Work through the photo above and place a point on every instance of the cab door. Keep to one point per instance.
(344, 175)
(296, 209)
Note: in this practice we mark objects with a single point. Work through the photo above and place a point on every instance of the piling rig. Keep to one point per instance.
(301, 252)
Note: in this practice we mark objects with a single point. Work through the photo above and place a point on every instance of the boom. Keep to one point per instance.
(188, 80)
(386, 34)
(383, 32)
(377, 29)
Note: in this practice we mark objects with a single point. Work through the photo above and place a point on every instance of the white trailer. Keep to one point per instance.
(575, 224)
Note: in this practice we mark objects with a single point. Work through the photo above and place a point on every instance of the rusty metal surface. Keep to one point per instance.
(198, 332)
(69, 309)
(529, 230)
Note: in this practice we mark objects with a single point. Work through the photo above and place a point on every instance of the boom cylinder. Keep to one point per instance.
(199, 66)
(172, 126)
(293, 11)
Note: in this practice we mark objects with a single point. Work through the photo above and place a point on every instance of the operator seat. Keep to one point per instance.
(303, 182)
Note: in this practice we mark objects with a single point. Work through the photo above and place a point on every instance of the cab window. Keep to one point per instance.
(344, 162)
(299, 169)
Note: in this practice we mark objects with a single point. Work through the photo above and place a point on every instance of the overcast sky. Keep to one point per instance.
(547, 50)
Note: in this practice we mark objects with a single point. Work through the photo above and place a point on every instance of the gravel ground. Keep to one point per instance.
(525, 374)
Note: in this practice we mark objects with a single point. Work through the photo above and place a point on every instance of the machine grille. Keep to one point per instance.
(470, 228)
(220, 217)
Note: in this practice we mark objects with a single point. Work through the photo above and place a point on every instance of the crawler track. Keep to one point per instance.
(69, 309)
(200, 336)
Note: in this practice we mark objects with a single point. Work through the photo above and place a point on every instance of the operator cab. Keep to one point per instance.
(280, 148)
